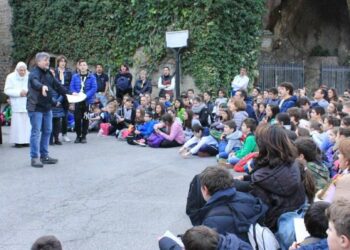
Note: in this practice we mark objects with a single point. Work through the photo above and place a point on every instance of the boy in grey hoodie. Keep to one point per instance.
(230, 140)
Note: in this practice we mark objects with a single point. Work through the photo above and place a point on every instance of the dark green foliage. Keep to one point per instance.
(224, 34)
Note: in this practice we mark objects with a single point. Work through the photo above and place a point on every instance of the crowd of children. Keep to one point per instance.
(295, 151)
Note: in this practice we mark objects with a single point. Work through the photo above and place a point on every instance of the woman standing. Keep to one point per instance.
(16, 87)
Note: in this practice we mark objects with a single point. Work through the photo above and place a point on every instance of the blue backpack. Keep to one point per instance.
(123, 83)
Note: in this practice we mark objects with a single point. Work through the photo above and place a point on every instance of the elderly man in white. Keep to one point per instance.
(240, 81)
(16, 87)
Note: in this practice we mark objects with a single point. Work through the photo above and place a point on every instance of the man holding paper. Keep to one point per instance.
(39, 103)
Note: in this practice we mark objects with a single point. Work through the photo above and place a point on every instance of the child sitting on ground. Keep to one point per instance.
(198, 133)
(202, 237)
(249, 145)
(230, 140)
(207, 146)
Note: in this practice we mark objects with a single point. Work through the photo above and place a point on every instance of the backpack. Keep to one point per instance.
(195, 200)
(285, 224)
(261, 238)
(123, 83)
(154, 140)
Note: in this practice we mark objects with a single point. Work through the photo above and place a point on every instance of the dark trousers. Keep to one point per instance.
(169, 144)
(64, 123)
(81, 118)
(56, 128)
(209, 149)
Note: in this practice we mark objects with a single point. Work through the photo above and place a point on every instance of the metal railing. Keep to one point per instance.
(271, 75)
(337, 77)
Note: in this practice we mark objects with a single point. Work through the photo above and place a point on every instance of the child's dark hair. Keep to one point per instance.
(303, 132)
(274, 91)
(315, 125)
(167, 118)
(149, 113)
(231, 124)
(303, 101)
(319, 110)
(344, 131)
(188, 121)
(308, 182)
(294, 112)
(216, 179)
(315, 219)
(201, 238)
(346, 120)
(288, 86)
(47, 242)
(197, 128)
(250, 123)
(308, 148)
(275, 110)
(332, 120)
(339, 214)
(222, 91)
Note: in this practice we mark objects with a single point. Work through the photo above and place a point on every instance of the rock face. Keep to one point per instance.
(306, 28)
(5, 41)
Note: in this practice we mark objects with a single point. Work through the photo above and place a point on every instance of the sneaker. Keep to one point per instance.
(36, 163)
(78, 140)
(65, 138)
(83, 140)
(48, 160)
(140, 142)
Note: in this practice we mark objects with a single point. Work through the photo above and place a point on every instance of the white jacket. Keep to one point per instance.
(13, 86)
(240, 82)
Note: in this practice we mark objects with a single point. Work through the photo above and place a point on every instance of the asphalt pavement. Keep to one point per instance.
(103, 195)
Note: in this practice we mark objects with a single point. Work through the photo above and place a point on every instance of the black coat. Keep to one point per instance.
(281, 188)
(37, 79)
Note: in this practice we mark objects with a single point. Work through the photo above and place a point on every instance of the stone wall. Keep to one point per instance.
(5, 41)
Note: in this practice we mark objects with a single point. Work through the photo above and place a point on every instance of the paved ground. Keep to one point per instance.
(105, 195)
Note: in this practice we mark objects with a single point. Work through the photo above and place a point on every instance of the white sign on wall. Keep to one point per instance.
(176, 39)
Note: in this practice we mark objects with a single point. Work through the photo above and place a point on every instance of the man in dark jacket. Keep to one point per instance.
(202, 237)
(39, 103)
(226, 210)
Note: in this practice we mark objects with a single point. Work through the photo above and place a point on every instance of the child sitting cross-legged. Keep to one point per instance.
(230, 140)
(143, 131)
(249, 145)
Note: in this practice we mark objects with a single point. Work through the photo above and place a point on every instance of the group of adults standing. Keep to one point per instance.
(40, 106)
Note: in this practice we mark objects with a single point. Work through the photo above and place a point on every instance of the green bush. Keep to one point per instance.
(224, 34)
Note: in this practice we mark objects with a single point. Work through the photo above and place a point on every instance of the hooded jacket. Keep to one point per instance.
(226, 242)
(239, 117)
(288, 103)
(233, 141)
(230, 211)
(280, 187)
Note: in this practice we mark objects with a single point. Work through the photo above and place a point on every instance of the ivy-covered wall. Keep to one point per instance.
(224, 34)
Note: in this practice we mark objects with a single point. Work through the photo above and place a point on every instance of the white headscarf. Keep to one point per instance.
(18, 66)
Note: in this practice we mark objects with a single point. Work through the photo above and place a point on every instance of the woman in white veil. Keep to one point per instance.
(16, 87)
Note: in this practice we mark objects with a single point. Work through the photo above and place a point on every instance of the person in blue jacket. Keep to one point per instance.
(146, 129)
(226, 209)
(287, 99)
(83, 82)
(202, 237)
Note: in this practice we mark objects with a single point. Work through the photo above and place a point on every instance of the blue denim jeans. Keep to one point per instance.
(233, 160)
(40, 134)
(102, 98)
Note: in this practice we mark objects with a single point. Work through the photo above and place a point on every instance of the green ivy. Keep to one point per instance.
(224, 34)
